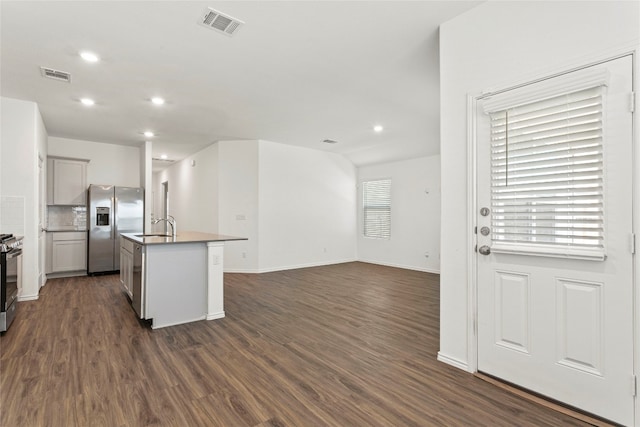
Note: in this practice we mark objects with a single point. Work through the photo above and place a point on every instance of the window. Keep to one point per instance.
(376, 196)
(547, 175)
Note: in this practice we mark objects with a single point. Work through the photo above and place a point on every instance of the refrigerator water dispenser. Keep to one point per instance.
(102, 216)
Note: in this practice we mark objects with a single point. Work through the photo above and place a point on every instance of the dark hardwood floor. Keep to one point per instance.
(345, 345)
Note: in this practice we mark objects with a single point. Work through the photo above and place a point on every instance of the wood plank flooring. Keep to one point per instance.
(345, 345)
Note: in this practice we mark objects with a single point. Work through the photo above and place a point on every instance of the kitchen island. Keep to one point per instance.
(174, 279)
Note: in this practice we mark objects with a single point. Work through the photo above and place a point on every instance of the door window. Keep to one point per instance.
(547, 175)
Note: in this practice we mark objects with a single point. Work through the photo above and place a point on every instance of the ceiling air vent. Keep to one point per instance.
(220, 22)
(158, 159)
(62, 76)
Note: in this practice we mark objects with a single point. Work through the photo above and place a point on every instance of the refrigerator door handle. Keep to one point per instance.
(114, 205)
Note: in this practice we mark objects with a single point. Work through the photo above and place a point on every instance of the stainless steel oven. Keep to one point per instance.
(10, 255)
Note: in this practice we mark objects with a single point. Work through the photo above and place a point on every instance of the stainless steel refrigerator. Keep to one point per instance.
(111, 210)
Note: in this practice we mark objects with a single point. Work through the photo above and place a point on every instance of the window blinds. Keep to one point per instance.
(377, 208)
(547, 176)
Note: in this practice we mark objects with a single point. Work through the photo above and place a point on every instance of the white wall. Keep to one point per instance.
(291, 203)
(307, 207)
(415, 215)
(193, 192)
(23, 136)
(42, 147)
(210, 196)
(495, 45)
(110, 164)
(146, 181)
(238, 203)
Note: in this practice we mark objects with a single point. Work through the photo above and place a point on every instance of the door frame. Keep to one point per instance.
(42, 219)
(473, 100)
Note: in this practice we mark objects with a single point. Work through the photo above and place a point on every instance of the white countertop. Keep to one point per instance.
(182, 237)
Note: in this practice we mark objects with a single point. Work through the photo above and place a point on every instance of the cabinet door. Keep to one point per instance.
(69, 255)
(126, 270)
(122, 267)
(49, 254)
(130, 274)
(69, 182)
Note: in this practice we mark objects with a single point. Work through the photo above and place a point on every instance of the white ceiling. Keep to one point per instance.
(296, 73)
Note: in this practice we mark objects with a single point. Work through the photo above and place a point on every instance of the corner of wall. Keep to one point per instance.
(146, 181)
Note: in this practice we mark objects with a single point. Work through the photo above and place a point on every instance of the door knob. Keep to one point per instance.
(484, 250)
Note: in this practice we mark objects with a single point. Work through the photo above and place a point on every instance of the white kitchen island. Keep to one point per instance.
(175, 280)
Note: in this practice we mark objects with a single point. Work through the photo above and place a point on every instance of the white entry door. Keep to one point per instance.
(555, 297)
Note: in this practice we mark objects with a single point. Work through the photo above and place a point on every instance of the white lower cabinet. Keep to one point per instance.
(67, 251)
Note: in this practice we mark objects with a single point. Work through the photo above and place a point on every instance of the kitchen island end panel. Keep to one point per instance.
(176, 283)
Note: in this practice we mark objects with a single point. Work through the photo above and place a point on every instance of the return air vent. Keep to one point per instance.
(62, 76)
(218, 21)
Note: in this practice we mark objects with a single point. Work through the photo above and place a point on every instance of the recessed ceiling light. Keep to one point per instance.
(87, 101)
(163, 157)
(148, 134)
(89, 56)
(157, 100)
(378, 128)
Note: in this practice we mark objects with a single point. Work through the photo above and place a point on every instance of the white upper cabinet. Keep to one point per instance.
(66, 181)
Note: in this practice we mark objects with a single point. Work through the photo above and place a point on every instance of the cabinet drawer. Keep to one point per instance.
(126, 245)
(69, 235)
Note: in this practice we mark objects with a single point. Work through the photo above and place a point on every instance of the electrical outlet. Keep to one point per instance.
(324, 250)
(244, 254)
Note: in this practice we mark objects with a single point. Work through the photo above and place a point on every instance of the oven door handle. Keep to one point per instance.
(14, 253)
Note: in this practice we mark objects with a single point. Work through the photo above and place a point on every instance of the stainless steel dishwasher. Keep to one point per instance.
(137, 297)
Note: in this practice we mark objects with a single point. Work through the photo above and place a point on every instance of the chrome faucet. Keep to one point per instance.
(171, 221)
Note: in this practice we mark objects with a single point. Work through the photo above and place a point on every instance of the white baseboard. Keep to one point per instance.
(287, 267)
(323, 263)
(214, 316)
(403, 266)
(66, 274)
(28, 297)
(453, 361)
(154, 325)
(308, 265)
(241, 270)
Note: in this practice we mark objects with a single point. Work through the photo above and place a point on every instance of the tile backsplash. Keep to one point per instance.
(67, 217)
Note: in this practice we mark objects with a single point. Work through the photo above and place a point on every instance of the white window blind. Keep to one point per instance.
(547, 176)
(376, 197)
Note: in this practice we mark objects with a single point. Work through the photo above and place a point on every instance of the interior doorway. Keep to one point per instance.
(165, 205)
